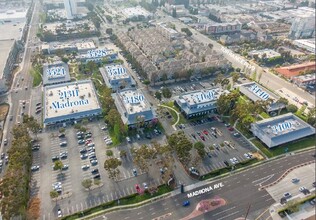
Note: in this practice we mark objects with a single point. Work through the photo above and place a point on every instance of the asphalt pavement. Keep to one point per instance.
(21, 80)
(240, 191)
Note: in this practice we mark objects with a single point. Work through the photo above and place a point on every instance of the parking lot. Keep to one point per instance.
(221, 145)
(305, 176)
(68, 181)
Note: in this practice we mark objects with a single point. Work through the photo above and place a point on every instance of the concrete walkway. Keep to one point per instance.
(178, 115)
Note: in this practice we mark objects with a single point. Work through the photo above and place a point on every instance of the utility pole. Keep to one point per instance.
(247, 211)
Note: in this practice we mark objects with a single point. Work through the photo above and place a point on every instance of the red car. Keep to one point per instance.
(205, 132)
(202, 137)
(88, 141)
(230, 128)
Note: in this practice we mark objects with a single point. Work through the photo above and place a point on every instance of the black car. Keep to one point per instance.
(38, 104)
(209, 154)
(55, 158)
(82, 151)
(226, 163)
(35, 148)
(314, 184)
(92, 157)
(94, 171)
(97, 176)
(62, 135)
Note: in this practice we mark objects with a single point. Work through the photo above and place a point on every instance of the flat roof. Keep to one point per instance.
(133, 100)
(96, 53)
(85, 45)
(200, 97)
(5, 46)
(13, 14)
(306, 42)
(12, 31)
(116, 72)
(56, 72)
(281, 129)
(64, 100)
(307, 77)
(256, 92)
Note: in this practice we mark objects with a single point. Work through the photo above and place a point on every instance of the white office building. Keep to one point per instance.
(116, 77)
(198, 103)
(71, 8)
(135, 110)
(70, 102)
(54, 73)
(281, 130)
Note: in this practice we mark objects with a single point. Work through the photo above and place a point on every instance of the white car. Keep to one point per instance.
(59, 213)
(35, 168)
(85, 167)
(302, 188)
(235, 159)
(145, 185)
(128, 139)
(109, 142)
(247, 156)
(232, 161)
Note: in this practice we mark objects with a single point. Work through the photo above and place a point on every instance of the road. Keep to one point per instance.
(21, 80)
(240, 191)
(267, 79)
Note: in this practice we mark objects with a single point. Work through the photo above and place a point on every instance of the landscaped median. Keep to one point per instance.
(130, 201)
(293, 205)
(228, 169)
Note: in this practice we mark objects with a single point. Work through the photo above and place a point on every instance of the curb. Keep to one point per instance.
(131, 206)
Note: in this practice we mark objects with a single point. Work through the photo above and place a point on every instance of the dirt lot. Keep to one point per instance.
(4, 109)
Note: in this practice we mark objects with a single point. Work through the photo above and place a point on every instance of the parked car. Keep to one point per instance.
(63, 144)
(35, 168)
(134, 172)
(62, 135)
(94, 171)
(65, 167)
(81, 142)
(287, 195)
(94, 162)
(128, 139)
(97, 176)
(85, 167)
(59, 213)
(84, 156)
(295, 180)
(54, 158)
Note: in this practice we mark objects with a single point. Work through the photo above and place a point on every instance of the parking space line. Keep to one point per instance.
(112, 196)
(107, 198)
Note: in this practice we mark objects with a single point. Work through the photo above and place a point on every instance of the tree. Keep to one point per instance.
(200, 147)
(146, 82)
(53, 194)
(158, 95)
(86, 183)
(311, 117)
(58, 165)
(235, 76)
(291, 108)
(181, 145)
(292, 206)
(111, 166)
(109, 153)
(33, 211)
(226, 102)
(109, 31)
(283, 100)
(166, 92)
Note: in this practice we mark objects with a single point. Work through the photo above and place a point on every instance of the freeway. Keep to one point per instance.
(240, 192)
(22, 83)
(267, 78)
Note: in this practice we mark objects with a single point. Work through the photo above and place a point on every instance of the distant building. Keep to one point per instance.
(97, 55)
(198, 103)
(268, 53)
(67, 47)
(116, 77)
(307, 44)
(69, 102)
(295, 70)
(138, 13)
(256, 92)
(222, 28)
(303, 27)
(305, 80)
(281, 130)
(55, 73)
(71, 8)
(167, 31)
(135, 110)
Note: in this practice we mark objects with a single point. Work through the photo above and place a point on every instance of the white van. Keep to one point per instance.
(91, 145)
